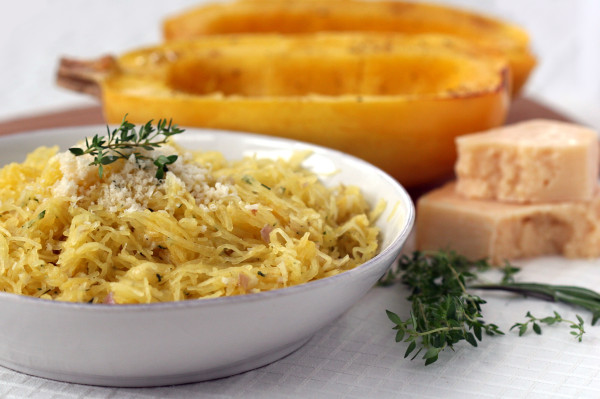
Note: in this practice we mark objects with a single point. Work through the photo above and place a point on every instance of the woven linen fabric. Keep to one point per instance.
(356, 356)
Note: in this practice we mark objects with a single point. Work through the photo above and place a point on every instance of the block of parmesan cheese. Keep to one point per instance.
(534, 161)
(502, 231)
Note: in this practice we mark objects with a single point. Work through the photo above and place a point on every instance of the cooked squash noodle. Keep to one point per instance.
(210, 228)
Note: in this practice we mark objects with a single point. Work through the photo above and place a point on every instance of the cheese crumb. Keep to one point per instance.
(129, 184)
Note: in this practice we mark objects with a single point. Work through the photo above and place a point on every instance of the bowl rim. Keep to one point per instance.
(356, 272)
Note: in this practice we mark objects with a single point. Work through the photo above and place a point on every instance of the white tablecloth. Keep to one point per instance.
(355, 356)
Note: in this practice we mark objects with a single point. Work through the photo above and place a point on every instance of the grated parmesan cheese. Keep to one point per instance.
(133, 184)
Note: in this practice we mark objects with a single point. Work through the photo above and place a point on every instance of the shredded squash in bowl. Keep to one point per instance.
(210, 228)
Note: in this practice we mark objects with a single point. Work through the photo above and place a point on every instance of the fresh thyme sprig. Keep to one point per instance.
(577, 327)
(444, 312)
(122, 142)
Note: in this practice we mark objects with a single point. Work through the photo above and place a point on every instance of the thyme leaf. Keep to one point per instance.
(40, 216)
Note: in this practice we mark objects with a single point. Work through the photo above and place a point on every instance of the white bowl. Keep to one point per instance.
(180, 342)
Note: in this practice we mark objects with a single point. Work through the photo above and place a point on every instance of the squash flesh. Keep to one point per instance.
(307, 16)
(289, 76)
(397, 102)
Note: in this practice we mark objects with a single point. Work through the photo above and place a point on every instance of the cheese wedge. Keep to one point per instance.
(502, 231)
(529, 162)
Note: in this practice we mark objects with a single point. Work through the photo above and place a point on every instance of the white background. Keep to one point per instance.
(35, 33)
(354, 356)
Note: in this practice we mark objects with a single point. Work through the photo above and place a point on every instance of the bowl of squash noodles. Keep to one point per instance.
(140, 256)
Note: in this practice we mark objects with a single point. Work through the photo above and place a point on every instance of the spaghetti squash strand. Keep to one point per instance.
(210, 228)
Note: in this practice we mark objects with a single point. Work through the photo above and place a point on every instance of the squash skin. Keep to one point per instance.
(409, 136)
(311, 16)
